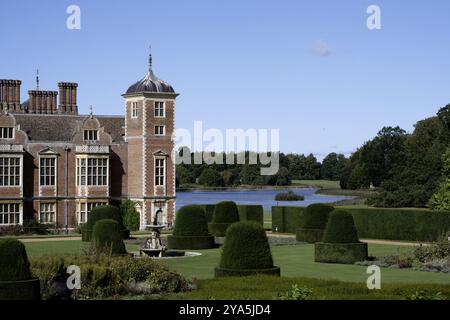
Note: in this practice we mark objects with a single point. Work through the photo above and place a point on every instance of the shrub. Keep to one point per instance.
(14, 263)
(104, 276)
(191, 230)
(289, 196)
(32, 226)
(100, 213)
(287, 219)
(254, 213)
(347, 253)
(340, 228)
(191, 221)
(225, 212)
(107, 238)
(16, 282)
(209, 211)
(316, 216)
(246, 251)
(130, 216)
(12, 230)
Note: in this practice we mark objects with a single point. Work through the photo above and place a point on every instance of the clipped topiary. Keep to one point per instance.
(100, 213)
(246, 251)
(191, 230)
(106, 237)
(315, 219)
(340, 241)
(225, 213)
(16, 281)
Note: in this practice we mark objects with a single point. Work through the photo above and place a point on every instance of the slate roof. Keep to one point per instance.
(48, 127)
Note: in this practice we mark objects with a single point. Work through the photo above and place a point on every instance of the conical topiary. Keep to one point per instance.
(106, 237)
(246, 251)
(100, 213)
(315, 219)
(16, 281)
(340, 242)
(340, 228)
(191, 230)
(225, 213)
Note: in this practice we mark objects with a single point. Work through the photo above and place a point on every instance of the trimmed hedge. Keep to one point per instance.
(191, 230)
(377, 223)
(191, 221)
(287, 219)
(346, 253)
(401, 224)
(340, 228)
(14, 264)
(106, 237)
(101, 213)
(254, 213)
(209, 211)
(218, 229)
(246, 251)
(246, 213)
(309, 235)
(316, 216)
(16, 282)
(225, 212)
(190, 242)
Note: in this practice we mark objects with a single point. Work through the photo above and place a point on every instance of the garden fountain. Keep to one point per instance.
(153, 246)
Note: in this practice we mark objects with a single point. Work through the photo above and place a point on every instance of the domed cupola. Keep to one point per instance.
(150, 83)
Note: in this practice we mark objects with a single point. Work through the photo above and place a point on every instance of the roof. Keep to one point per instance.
(150, 83)
(59, 127)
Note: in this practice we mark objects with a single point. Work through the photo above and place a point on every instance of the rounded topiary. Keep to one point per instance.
(340, 228)
(340, 242)
(16, 282)
(191, 221)
(100, 213)
(246, 251)
(225, 213)
(106, 237)
(315, 219)
(191, 230)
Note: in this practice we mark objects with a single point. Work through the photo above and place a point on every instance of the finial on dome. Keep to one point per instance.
(150, 59)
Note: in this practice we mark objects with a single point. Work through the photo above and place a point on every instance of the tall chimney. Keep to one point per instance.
(68, 98)
(10, 95)
(43, 102)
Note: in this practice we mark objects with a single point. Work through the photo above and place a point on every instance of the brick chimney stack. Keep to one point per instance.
(68, 98)
(43, 102)
(10, 95)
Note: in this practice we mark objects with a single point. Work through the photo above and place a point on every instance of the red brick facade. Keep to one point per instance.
(68, 163)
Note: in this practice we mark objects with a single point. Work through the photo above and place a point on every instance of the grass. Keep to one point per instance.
(295, 261)
(267, 288)
(298, 261)
(320, 184)
(36, 249)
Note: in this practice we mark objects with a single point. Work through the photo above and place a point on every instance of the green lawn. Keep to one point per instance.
(328, 281)
(267, 288)
(297, 261)
(36, 249)
(321, 184)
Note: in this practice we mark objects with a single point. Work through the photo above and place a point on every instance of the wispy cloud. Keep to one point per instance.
(320, 48)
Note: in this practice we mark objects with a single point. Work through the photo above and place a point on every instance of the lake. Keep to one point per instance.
(264, 197)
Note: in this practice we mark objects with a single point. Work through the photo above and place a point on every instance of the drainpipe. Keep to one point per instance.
(66, 189)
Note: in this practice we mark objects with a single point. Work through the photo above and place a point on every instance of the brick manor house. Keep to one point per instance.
(56, 165)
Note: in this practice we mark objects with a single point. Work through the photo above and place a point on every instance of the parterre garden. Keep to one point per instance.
(323, 258)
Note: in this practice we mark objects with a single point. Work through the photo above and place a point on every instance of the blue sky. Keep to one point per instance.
(245, 64)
